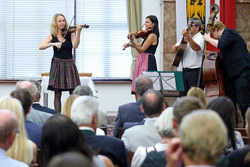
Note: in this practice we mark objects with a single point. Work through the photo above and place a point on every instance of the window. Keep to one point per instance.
(26, 24)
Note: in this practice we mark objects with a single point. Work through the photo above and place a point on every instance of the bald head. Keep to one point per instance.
(8, 124)
(27, 85)
(152, 103)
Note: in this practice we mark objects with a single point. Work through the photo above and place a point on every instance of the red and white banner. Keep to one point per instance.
(227, 11)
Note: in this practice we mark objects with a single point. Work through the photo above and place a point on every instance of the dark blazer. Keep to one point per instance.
(34, 132)
(130, 112)
(109, 146)
(128, 125)
(37, 106)
(234, 54)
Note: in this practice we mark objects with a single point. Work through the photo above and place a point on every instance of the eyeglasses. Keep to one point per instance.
(17, 131)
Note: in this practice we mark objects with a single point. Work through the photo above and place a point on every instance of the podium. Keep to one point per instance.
(168, 82)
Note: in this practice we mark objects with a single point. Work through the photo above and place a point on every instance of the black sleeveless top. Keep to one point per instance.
(152, 48)
(65, 52)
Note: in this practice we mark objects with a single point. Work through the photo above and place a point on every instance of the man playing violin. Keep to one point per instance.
(235, 61)
(146, 59)
(192, 57)
(63, 73)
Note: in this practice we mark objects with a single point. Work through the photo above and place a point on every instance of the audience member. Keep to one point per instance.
(67, 105)
(199, 93)
(85, 90)
(36, 105)
(8, 132)
(146, 135)
(84, 112)
(203, 137)
(33, 129)
(164, 127)
(240, 157)
(22, 149)
(60, 135)
(181, 107)
(226, 109)
(70, 159)
(34, 115)
(131, 112)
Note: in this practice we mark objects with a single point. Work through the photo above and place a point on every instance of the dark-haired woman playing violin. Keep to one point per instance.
(63, 72)
(146, 59)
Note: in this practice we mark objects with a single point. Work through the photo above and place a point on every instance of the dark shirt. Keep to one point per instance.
(65, 52)
(152, 48)
(234, 54)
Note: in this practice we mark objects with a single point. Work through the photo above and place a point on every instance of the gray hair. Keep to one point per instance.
(164, 123)
(82, 90)
(142, 84)
(197, 22)
(39, 89)
(83, 109)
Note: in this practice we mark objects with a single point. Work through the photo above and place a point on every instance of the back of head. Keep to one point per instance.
(152, 102)
(59, 135)
(83, 109)
(164, 123)
(72, 159)
(83, 90)
(8, 125)
(186, 105)
(203, 136)
(142, 84)
(67, 105)
(39, 89)
(29, 86)
(199, 93)
(24, 97)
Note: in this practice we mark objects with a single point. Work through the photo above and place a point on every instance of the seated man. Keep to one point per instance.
(8, 131)
(203, 137)
(84, 112)
(131, 112)
(36, 105)
(33, 129)
(146, 135)
(34, 115)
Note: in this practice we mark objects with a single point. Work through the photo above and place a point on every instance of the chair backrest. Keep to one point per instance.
(130, 156)
(120, 132)
(244, 135)
(104, 128)
(39, 159)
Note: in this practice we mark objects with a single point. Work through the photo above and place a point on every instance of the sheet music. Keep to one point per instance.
(167, 79)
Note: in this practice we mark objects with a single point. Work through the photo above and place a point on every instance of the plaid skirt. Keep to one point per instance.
(63, 75)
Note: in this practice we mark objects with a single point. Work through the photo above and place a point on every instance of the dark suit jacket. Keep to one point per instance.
(130, 112)
(34, 132)
(109, 146)
(37, 106)
(234, 54)
(128, 125)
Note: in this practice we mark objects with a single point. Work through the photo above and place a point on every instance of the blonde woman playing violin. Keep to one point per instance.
(146, 59)
(63, 72)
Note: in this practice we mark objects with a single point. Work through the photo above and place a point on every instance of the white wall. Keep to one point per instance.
(112, 95)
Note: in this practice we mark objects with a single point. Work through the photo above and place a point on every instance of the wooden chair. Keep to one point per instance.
(120, 133)
(104, 128)
(39, 159)
(129, 157)
(243, 134)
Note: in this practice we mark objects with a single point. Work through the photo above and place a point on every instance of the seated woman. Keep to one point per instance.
(60, 135)
(164, 127)
(22, 149)
(199, 93)
(226, 109)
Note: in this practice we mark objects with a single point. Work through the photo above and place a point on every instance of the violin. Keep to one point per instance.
(72, 29)
(142, 33)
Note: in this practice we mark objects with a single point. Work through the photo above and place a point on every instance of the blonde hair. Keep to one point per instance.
(217, 25)
(203, 136)
(197, 92)
(53, 26)
(67, 105)
(20, 150)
